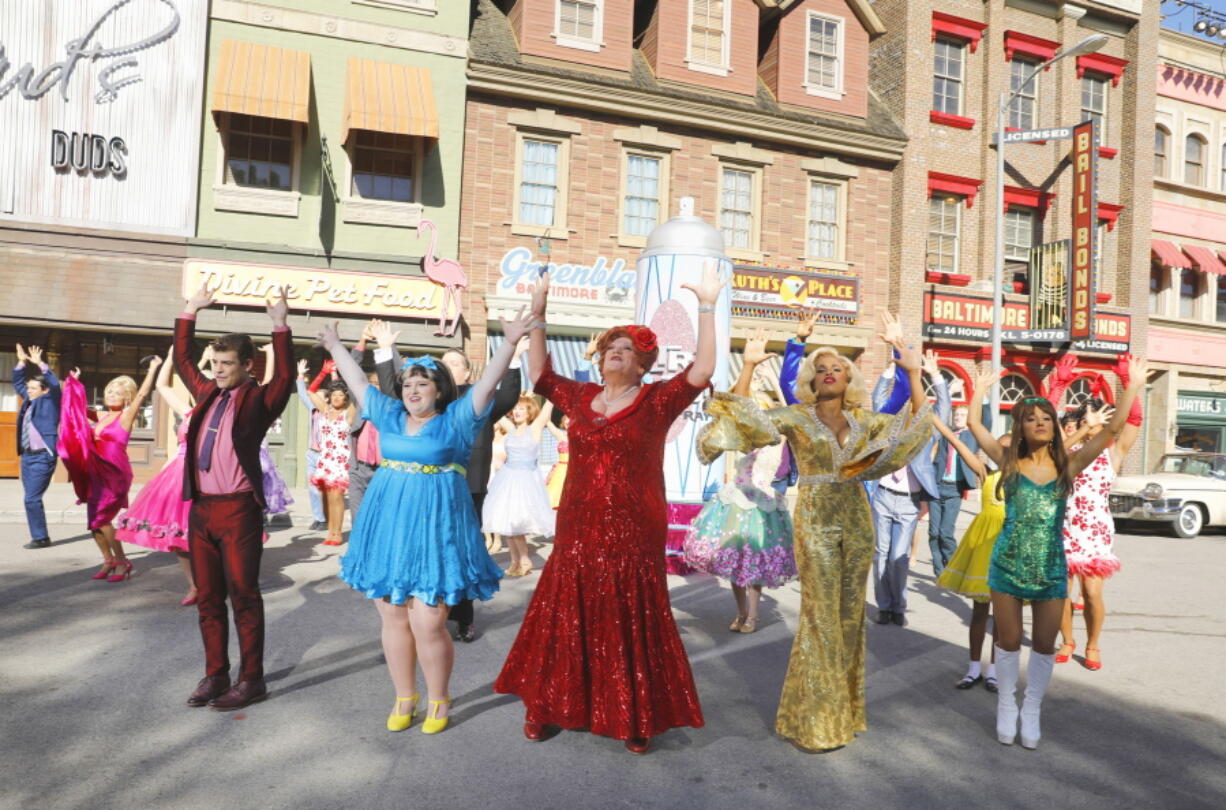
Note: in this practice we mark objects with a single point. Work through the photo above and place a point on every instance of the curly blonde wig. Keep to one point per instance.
(125, 385)
(856, 395)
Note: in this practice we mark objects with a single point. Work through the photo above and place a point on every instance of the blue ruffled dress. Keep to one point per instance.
(417, 534)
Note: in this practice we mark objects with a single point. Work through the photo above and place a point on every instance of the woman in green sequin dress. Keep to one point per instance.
(1028, 559)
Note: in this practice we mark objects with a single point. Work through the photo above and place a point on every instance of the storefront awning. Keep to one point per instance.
(1169, 255)
(384, 97)
(565, 351)
(1204, 259)
(262, 80)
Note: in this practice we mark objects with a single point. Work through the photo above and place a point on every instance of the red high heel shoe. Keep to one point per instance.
(1093, 666)
(190, 599)
(107, 564)
(123, 570)
(638, 745)
(1062, 657)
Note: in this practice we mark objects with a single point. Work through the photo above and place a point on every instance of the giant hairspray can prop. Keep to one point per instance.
(678, 251)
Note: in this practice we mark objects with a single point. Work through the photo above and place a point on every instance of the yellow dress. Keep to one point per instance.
(967, 571)
(556, 479)
(822, 703)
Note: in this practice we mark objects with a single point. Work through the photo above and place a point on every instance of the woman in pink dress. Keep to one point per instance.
(157, 518)
(96, 456)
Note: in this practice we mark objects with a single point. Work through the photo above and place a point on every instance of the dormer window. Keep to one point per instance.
(824, 60)
(709, 24)
(578, 24)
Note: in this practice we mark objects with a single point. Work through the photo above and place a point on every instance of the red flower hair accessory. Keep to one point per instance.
(644, 339)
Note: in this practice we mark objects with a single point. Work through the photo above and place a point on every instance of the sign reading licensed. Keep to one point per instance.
(768, 292)
(353, 293)
(967, 317)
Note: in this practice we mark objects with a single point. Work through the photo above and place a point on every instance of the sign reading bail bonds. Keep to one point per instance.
(1085, 192)
(344, 291)
(765, 292)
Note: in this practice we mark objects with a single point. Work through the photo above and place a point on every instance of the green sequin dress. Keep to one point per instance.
(1028, 560)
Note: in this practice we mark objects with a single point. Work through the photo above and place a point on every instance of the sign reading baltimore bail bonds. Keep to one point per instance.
(767, 292)
(343, 291)
(967, 317)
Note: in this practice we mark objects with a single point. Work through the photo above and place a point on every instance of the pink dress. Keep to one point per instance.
(157, 518)
(332, 470)
(1089, 530)
(97, 462)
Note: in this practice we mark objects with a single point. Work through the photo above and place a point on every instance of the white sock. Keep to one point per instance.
(991, 673)
(972, 671)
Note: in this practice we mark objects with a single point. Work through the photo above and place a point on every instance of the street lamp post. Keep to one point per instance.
(1088, 45)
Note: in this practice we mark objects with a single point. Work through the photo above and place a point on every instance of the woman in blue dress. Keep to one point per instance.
(1028, 559)
(416, 547)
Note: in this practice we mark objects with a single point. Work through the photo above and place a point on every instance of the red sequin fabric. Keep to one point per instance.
(598, 648)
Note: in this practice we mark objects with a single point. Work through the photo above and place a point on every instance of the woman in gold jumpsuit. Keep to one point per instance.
(838, 444)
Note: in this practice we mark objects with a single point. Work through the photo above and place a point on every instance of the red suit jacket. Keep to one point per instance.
(258, 405)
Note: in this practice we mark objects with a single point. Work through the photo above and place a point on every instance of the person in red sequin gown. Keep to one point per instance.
(598, 648)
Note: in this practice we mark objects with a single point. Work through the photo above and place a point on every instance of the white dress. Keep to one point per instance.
(517, 501)
(1089, 529)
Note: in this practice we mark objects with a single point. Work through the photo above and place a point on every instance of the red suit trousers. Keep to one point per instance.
(225, 537)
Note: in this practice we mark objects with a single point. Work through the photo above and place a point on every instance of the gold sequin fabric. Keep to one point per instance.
(822, 703)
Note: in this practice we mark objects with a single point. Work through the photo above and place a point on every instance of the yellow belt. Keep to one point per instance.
(430, 469)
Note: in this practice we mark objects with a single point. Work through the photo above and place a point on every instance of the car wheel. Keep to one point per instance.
(1190, 521)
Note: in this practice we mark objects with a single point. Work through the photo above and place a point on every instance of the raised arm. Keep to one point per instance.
(1061, 378)
(278, 390)
(1094, 446)
(707, 292)
(19, 372)
(128, 417)
(386, 359)
(166, 390)
(349, 370)
(754, 355)
(542, 419)
(1132, 426)
(537, 350)
(909, 359)
(974, 418)
(965, 453)
(185, 334)
(483, 389)
(507, 392)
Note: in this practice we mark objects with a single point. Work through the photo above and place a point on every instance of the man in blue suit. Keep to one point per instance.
(954, 478)
(898, 503)
(38, 423)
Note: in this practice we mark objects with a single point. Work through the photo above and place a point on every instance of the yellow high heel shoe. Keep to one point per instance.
(434, 724)
(399, 722)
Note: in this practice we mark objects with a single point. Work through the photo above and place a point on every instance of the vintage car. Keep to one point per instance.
(1188, 491)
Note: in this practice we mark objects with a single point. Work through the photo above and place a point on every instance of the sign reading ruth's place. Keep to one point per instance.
(353, 293)
(100, 113)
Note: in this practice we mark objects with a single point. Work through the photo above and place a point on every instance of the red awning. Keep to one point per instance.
(1169, 255)
(1204, 259)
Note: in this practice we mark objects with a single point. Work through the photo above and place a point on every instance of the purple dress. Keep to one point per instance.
(276, 493)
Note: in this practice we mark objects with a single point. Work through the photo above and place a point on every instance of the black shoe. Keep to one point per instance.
(466, 633)
(899, 619)
(42, 542)
(884, 617)
(989, 683)
(967, 682)
(318, 526)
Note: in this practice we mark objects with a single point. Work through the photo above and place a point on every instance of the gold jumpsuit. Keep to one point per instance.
(822, 704)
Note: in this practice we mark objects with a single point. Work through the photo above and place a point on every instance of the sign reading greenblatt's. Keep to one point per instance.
(599, 281)
(100, 112)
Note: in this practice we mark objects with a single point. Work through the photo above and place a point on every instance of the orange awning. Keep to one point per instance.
(385, 97)
(262, 80)
(1169, 255)
(1204, 259)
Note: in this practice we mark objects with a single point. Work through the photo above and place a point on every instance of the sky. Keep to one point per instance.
(1182, 19)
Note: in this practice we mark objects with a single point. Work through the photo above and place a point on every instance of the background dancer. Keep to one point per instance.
(38, 426)
(518, 502)
(337, 413)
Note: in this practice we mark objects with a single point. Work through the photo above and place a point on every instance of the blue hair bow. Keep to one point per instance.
(425, 360)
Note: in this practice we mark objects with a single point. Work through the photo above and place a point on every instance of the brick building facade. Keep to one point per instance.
(941, 69)
(579, 142)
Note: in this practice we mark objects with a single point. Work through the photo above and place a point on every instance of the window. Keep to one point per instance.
(1079, 393)
(957, 388)
(259, 152)
(1013, 389)
(736, 209)
(944, 218)
(1019, 233)
(538, 184)
(578, 23)
(1023, 109)
(383, 166)
(1161, 139)
(948, 61)
(824, 70)
(1223, 165)
(708, 32)
(641, 203)
(1157, 282)
(823, 220)
(1094, 103)
(1194, 160)
(1189, 290)
(1221, 299)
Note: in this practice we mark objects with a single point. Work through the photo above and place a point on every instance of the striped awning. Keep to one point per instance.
(565, 350)
(262, 80)
(1169, 255)
(385, 97)
(1204, 259)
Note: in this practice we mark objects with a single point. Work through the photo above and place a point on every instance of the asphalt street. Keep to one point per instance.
(93, 678)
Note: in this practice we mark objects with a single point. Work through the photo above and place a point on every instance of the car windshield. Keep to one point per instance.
(1208, 466)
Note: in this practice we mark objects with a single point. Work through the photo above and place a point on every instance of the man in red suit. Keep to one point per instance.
(224, 482)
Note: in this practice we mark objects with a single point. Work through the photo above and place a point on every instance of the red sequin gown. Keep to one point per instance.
(598, 648)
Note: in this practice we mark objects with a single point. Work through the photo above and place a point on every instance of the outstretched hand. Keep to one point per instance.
(986, 380)
(804, 327)
(755, 348)
(201, 300)
(540, 297)
(382, 332)
(1066, 368)
(1137, 373)
(592, 342)
(930, 365)
(22, 357)
(1096, 417)
(708, 289)
(910, 359)
(891, 331)
(303, 367)
(35, 355)
(328, 337)
(518, 326)
(278, 308)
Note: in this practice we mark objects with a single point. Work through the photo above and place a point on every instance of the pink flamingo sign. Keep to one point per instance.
(447, 273)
